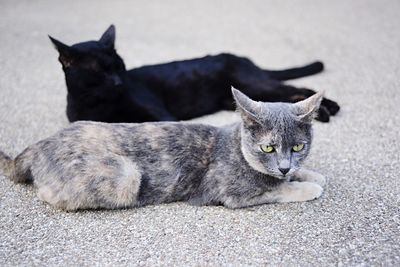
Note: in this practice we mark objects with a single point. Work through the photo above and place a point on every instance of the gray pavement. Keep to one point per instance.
(355, 223)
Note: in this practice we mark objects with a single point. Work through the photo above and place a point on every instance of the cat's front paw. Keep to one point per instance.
(317, 178)
(311, 191)
(300, 192)
(305, 175)
(331, 106)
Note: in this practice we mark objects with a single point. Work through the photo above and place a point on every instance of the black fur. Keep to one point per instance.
(101, 89)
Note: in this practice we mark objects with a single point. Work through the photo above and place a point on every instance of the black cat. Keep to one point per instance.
(101, 89)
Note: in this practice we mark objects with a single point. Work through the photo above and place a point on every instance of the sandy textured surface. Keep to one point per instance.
(356, 222)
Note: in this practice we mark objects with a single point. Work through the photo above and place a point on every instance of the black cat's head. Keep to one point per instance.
(93, 73)
(91, 64)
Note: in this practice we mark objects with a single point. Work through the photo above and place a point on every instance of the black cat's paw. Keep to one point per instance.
(331, 106)
(328, 107)
(323, 114)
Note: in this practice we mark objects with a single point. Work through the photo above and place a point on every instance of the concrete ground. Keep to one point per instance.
(355, 223)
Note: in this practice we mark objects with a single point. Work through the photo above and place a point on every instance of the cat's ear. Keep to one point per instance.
(248, 108)
(61, 47)
(108, 37)
(307, 109)
(66, 52)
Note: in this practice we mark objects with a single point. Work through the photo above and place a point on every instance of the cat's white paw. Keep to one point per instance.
(310, 176)
(318, 179)
(311, 191)
(300, 191)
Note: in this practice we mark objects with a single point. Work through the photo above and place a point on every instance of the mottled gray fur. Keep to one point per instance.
(98, 165)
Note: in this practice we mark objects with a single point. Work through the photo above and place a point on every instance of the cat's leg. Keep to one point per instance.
(285, 192)
(304, 175)
(108, 182)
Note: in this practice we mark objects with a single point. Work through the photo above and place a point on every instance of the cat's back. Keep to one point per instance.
(167, 138)
(154, 146)
(131, 138)
(205, 67)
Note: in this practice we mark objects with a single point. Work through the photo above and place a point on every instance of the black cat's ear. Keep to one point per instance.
(248, 108)
(66, 52)
(61, 47)
(108, 37)
(307, 109)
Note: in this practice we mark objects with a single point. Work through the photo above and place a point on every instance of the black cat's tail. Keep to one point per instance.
(294, 73)
(17, 170)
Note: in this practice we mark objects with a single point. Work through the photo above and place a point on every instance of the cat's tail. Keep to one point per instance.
(16, 169)
(310, 69)
(6, 165)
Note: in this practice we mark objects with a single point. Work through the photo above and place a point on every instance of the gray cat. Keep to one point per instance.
(91, 165)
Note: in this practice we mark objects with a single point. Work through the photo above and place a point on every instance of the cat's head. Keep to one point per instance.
(276, 137)
(91, 64)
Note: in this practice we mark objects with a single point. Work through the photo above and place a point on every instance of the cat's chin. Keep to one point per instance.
(280, 177)
(273, 174)
(286, 177)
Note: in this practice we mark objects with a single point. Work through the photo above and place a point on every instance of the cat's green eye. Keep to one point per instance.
(298, 147)
(267, 148)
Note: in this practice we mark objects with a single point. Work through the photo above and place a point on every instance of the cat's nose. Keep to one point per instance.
(284, 170)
